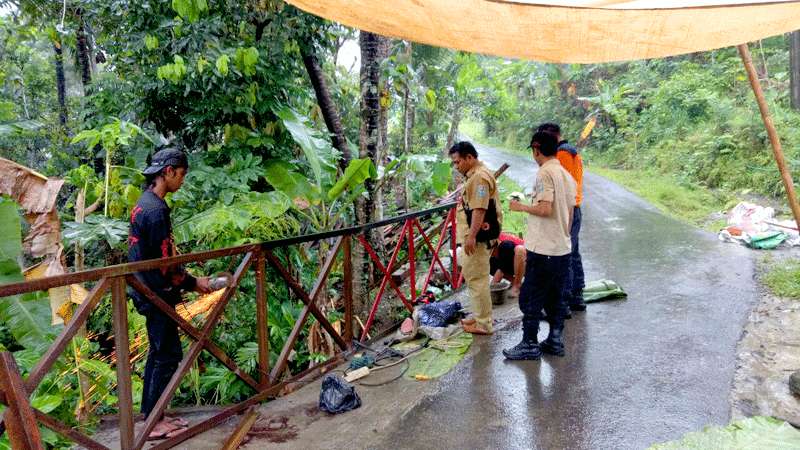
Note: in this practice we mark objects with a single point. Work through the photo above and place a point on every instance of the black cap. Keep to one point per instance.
(164, 158)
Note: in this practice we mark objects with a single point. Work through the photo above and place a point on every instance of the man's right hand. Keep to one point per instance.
(469, 245)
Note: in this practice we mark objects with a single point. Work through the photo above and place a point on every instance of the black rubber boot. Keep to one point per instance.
(578, 306)
(576, 301)
(524, 350)
(554, 344)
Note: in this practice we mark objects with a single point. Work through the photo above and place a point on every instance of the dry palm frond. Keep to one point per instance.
(202, 305)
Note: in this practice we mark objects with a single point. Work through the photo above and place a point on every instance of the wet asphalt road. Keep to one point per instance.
(638, 371)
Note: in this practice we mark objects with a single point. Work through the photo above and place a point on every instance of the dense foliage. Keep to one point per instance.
(693, 116)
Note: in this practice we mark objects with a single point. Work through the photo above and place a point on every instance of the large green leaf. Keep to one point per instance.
(10, 232)
(318, 151)
(441, 177)
(358, 171)
(268, 205)
(27, 316)
(751, 433)
(96, 228)
(284, 177)
(440, 357)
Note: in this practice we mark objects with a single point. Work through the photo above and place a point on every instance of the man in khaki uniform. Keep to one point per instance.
(549, 246)
(479, 197)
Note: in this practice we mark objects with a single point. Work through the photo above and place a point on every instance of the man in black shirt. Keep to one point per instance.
(151, 238)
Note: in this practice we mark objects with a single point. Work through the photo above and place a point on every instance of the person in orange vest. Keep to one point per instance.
(572, 162)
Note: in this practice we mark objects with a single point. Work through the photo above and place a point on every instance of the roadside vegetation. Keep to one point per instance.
(783, 277)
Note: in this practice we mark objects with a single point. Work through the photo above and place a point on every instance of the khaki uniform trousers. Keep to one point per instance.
(475, 269)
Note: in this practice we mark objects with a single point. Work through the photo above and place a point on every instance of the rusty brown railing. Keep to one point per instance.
(21, 419)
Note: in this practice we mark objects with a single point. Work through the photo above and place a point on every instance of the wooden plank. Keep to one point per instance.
(23, 431)
(777, 151)
(240, 432)
(283, 359)
(41, 284)
(193, 332)
(119, 312)
(298, 290)
(45, 283)
(67, 431)
(262, 323)
(191, 355)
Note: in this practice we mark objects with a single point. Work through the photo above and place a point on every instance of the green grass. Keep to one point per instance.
(692, 204)
(783, 278)
(513, 222)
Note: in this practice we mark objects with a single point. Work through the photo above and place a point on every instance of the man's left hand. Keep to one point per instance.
(204, 285)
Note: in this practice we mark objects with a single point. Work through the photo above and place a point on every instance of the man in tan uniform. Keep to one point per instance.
(549, 246)
(480, 207)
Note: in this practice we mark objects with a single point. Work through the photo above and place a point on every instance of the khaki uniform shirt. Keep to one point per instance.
(550, 235)
(479, 188)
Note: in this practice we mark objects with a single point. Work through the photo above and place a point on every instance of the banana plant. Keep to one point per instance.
(319, 196)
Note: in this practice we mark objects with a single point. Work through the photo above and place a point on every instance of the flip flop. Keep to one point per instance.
(175, 432)
(469, 321)
(474, 329)
(178, 421)
(172, 432)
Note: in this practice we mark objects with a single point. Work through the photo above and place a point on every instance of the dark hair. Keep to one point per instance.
(550, 127)
(150, 178)
(547, 143)
(463, 149)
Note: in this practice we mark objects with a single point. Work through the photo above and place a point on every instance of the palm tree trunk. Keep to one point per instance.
(330, 113)
(84, 51)
(368, 148)
(61, 85)
(384, 49)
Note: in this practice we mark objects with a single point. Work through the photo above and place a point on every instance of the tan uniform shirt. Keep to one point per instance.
(479, 188)
(550, 235)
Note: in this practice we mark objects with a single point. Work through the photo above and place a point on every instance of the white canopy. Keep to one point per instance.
(567, 31)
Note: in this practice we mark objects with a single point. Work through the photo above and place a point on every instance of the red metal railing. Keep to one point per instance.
(20, 418)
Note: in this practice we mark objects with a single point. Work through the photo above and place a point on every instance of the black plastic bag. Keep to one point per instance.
(337, 395)
(438, 314)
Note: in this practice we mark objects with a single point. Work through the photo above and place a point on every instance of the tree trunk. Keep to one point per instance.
(455, 120)
(384, 47)
(431, 132)
(794, 68)
(61, 85)
(84, 51)
(401, 186)
(330, 113)
(368, 148)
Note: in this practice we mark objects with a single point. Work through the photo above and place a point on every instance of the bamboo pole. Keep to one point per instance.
(777, 151)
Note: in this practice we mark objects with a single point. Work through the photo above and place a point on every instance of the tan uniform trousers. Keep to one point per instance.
(475, 269)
